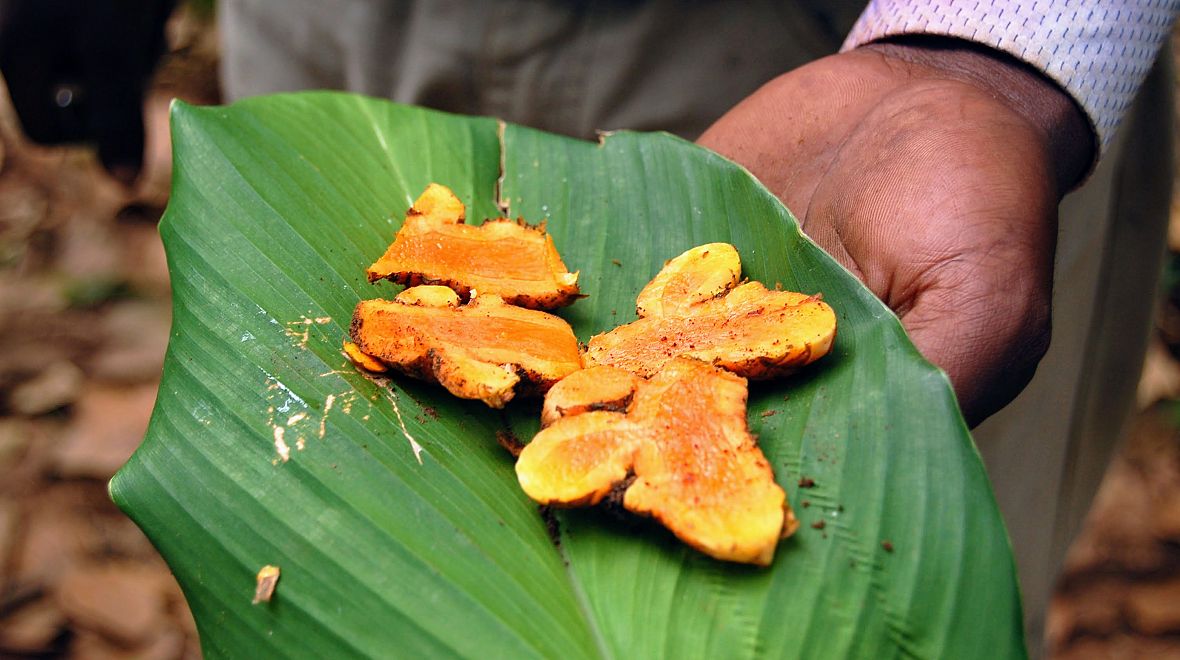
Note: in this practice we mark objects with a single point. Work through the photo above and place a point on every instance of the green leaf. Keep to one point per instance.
(397, 521)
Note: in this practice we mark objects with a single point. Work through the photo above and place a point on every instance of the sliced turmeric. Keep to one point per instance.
(602, 388)
(695, 307)
(697, 275)
(508, 258)
(363, 360)
(682, 435)
(485, 350)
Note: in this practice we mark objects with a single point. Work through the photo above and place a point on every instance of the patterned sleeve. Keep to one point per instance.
(1097, 50)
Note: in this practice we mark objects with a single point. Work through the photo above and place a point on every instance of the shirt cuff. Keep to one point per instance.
(1098, 51)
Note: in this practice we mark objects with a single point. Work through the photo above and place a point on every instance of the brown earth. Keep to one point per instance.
(84, 318)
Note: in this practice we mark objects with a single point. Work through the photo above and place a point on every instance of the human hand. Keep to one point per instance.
(932, 169)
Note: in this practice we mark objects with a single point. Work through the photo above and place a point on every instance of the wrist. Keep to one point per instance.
(1056, 117)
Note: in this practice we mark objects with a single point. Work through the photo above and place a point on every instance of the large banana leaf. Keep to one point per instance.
(392, 512)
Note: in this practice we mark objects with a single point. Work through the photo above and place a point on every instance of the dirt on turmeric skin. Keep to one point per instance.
(695, 307)
(682, 436)
(485, 350)
(508, 258)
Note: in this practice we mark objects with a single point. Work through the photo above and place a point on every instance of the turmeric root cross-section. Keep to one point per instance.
(696, 307)
(508, 258)
(682, 436)
(485, 350)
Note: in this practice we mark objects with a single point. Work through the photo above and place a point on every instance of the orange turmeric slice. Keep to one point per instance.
(363, 360)
(602, 388)
(682, 435)
(695, 307)
(485, 350)
(700, 274)
(508, 258)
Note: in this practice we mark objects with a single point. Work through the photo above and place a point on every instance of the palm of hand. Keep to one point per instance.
(938, 195)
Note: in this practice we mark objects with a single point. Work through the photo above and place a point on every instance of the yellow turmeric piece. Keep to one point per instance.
(696, 307)
(508, 258)
(363, 360)
(682, 436)
(485, 349)
(601, 388)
